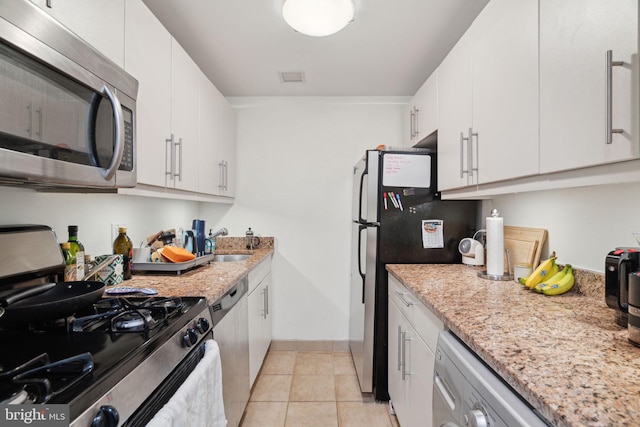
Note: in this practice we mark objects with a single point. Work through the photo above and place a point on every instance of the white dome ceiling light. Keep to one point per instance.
(318, 17)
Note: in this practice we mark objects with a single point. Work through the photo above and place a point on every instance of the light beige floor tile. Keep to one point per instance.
(358, 414)
(271, 388)
(343, 364)
(315, 345)
(314, 363)
(313, 388)
(312, 414)
(348, 388)
(265, 414)
(394, 421)
(279, 362)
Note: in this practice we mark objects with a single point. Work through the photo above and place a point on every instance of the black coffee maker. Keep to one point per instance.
(619, 263)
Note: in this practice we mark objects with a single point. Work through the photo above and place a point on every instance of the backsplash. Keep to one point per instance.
(239, 244)
(589, 283)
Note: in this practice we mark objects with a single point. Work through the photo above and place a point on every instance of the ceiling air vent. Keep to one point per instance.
(291, 76)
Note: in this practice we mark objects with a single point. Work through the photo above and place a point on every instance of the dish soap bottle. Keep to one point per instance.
(77, 250)
(123, 246)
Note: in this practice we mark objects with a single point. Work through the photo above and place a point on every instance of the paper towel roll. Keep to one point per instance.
(495, 244)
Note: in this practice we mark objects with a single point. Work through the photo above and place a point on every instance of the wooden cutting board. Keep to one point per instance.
(524, 244)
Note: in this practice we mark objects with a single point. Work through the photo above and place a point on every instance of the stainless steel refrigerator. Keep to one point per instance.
(398, 218)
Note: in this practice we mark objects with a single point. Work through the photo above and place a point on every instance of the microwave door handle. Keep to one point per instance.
(118, 119)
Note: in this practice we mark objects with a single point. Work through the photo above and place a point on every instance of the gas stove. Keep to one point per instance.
(113, 361)
(87, 360)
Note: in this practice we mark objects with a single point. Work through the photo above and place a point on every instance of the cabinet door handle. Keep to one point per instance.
(473, 169)
(404, 355)
(399, 347)
(610, 63)
(415, 119)
(462, 169)
(265, 298)
(169, 170)
(29, 120)
(226, 175)
(179, 174)
(404, 301)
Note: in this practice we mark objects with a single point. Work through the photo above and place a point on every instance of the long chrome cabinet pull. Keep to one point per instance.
(462, 170)
(169, 171)
(221, 168)
(401, 296)
(609, 125)
(265, 295)
(472, 169)
(179, 175)
(399, 347)
(415, 126)
(404, 355)
(411, 132)
(226, 175)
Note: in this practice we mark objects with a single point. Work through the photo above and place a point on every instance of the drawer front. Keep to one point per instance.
(426, 324)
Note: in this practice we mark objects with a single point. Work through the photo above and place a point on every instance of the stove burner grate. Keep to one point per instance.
(39, 379)
(121, 315)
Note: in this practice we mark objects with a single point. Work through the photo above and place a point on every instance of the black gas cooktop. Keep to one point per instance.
(77, 359)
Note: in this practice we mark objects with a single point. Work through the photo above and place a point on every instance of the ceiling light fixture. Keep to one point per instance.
(318, 17)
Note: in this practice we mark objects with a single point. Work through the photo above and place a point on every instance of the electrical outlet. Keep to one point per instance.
(114, 229)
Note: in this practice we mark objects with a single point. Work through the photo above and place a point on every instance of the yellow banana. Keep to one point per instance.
(541, 272)
(553, 279)
(561, 286)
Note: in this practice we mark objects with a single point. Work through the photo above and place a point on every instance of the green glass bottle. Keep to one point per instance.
(123, 246)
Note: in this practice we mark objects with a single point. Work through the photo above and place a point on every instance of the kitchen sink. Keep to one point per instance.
(230, 257)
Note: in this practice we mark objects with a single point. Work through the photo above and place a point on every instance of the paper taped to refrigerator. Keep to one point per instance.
(432, 234)
(406, 170)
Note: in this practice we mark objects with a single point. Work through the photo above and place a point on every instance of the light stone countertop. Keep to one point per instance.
(211, 280)
(564, 354)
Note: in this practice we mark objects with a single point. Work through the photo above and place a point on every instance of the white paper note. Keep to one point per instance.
(432, 234)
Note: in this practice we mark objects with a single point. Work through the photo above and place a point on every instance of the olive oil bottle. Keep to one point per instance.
(123, 246)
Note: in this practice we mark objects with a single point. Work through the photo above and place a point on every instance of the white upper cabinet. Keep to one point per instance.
(217, 158)
(185, 127)
(488, 98)
(148, 58)
(421, 114)
(185, 88)
(99, 23)
(455, 117)
(574, 38)
(505, 90)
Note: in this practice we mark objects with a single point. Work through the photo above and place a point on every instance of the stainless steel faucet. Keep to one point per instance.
(222, 232)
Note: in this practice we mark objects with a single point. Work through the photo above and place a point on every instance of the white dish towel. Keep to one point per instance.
(198, 401)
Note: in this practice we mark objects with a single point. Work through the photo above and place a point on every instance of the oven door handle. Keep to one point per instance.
(118, 119)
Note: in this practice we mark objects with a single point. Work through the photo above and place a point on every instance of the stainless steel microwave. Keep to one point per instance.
(67, 112)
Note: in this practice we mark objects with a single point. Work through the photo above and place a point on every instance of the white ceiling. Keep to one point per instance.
(390, 49)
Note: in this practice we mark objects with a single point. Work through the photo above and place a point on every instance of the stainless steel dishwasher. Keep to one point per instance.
(231, 332)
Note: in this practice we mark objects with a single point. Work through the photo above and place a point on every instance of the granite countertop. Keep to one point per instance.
(209, 280)
(564, 354)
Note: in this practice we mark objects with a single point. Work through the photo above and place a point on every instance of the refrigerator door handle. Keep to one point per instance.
(360, 218)
(360, 228)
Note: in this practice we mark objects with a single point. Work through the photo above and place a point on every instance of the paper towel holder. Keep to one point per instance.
(502, 277)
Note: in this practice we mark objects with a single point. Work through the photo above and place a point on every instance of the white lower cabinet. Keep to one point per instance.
(413, 335)
(259, 316)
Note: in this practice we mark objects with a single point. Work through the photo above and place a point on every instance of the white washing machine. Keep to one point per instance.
(469, 394)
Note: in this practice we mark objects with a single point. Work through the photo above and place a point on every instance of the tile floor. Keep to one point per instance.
(312, 388)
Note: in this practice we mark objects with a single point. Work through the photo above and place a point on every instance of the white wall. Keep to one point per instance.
(584, 224)
(94, 213)
(295, 161)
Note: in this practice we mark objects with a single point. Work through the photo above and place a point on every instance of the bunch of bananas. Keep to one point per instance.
(548, 279)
